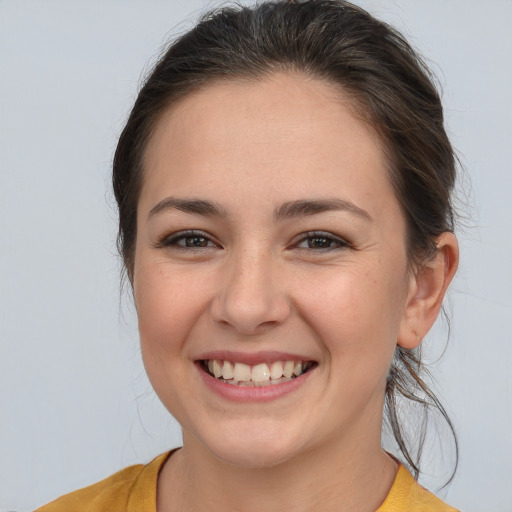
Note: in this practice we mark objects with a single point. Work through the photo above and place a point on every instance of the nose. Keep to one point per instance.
(252, 296)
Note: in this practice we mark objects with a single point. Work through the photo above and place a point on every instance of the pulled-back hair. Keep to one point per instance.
(391, 89)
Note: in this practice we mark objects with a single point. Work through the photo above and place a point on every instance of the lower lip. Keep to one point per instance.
(250, 393)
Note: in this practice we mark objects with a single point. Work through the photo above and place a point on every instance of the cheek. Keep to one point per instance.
(355, 311)
(167, 307)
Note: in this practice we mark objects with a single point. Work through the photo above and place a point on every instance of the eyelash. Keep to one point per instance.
(174, 239)
(339, 243)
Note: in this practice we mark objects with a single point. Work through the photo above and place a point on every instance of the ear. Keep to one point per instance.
(427, 287)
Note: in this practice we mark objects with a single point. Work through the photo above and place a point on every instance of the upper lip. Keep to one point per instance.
(252, 358)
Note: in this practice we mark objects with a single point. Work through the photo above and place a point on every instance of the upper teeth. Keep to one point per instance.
(241, 372)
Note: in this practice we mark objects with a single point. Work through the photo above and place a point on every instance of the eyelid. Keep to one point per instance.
(171, 240)
(342, 242)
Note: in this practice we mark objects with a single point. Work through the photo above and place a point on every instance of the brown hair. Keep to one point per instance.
(392, 89)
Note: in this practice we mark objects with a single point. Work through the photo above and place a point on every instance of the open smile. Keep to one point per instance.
(258, 375)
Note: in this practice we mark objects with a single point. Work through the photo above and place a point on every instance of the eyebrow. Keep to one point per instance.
(195, 206)
(311, 207)
(290, 209)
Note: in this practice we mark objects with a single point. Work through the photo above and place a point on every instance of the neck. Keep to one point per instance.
(339, 476)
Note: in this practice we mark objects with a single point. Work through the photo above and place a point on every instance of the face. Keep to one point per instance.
(270, 274)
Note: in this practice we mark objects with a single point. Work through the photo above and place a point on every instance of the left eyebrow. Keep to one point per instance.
(304, 207)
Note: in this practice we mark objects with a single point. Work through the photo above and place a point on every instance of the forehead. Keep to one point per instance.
(298, 133)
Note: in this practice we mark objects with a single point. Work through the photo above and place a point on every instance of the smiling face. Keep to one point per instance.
(268, 233)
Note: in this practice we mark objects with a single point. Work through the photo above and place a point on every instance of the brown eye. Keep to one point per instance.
(321, 241)
(195, 241)
(188, 240)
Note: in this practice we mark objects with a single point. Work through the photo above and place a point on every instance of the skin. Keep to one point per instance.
(258, 285)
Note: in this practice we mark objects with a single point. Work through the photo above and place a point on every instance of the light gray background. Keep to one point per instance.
(75, 404)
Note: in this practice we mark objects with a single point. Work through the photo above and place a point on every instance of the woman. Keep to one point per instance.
(283, 185)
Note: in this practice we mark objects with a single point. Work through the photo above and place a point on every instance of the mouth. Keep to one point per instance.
(258, 375)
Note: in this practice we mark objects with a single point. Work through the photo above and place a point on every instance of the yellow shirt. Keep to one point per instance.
(133, 489)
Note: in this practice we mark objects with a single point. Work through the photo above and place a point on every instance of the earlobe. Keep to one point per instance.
(426, 291)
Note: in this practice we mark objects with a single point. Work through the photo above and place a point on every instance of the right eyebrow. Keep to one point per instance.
(195, 206)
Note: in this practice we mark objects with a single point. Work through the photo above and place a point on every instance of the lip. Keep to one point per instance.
(249, 393)
(252, 358)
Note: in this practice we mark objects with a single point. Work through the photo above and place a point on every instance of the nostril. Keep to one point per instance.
(248, 315)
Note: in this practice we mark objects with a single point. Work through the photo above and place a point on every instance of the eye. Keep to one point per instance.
(185, 240)
(321, 241)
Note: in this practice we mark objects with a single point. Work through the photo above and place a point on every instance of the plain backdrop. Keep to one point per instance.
(75, 404)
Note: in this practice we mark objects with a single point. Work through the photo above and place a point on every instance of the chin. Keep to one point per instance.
(254, 457)
(261, 449)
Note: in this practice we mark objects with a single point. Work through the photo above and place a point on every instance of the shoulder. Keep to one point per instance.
(407, 495)
(132, 488)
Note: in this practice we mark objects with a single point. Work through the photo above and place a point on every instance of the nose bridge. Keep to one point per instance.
(252, 296)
